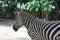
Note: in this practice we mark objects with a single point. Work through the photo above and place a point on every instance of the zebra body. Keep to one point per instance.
(38, 28)
(51, 30)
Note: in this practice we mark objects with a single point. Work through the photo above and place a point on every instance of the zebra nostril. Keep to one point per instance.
(15, 29)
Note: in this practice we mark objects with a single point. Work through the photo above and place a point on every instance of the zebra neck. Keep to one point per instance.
(27, 18)
(41, 21)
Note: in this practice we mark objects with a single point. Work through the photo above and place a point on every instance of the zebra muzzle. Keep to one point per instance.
(14, 28)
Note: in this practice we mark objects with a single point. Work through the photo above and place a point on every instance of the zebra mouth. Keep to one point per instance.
(14, 28)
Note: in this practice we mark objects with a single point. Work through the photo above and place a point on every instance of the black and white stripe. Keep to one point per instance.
(50, 30)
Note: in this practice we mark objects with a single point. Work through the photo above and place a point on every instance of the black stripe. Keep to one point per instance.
(58, 29)
(57, 36)
(30, 19)
(39, 27)
(45, 25)
(43, 29)
(48, 28)
(51, 29)
(26, 18)
(35, 26)
(33, 36)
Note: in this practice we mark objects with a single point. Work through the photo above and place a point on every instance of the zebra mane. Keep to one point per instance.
(34, 14)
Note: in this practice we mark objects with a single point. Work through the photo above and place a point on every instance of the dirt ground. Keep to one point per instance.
(7, 32)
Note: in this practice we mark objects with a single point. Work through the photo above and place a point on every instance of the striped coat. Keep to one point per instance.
(38, 29)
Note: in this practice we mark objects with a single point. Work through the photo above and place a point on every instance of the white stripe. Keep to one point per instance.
(44, 25)
(56, 35)
(53, 31)
(35, 28)
(45, 28)
(29, 19)
(30, 24)
(49, 29)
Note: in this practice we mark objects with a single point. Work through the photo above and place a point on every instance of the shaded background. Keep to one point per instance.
(7, 8)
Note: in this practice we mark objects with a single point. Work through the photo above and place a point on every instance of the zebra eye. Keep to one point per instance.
(16, 14)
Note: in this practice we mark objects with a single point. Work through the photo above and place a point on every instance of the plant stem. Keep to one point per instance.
(46, 15)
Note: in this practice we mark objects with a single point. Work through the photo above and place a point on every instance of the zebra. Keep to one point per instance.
(38, 29)
(27, 18)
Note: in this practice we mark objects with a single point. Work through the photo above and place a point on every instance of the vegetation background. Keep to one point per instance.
(46, 9)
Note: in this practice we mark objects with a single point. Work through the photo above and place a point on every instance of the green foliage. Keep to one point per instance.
(7, 8)
(47, 5)
(33, 5)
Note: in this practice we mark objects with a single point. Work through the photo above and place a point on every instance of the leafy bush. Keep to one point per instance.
(7, 8)
(33, 5)
(45, 5)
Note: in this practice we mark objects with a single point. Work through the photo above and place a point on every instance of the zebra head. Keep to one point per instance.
(18, 23)
(21, 19)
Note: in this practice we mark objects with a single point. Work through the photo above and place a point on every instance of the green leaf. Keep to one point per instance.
(51, 1)
(36, 9)
(35, 4)
(44, 9)
(49, 9)
(45, 3)
(50, 5)
(31, 7)
(41, 1)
